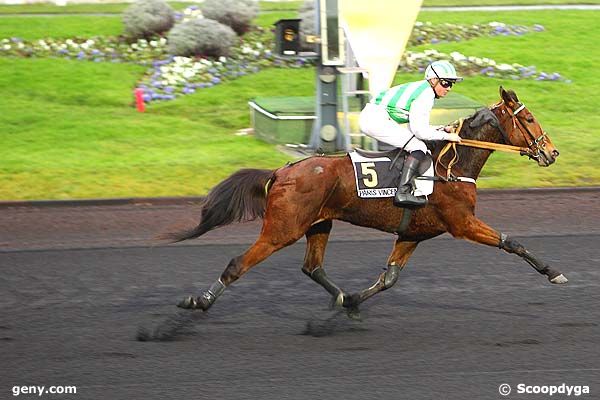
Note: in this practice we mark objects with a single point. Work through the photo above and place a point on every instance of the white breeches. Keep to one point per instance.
(375, 121)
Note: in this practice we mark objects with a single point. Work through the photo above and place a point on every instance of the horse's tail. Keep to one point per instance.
(241, 197)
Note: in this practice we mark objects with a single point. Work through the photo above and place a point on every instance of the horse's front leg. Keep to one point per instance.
(397, 260)
(474, 229)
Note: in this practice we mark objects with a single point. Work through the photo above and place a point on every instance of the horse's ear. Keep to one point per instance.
(509, 97)
(504, 95)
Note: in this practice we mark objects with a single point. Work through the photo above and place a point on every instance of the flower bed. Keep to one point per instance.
(169, 77)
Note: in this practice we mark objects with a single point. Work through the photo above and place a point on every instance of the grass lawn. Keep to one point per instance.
(68, 129)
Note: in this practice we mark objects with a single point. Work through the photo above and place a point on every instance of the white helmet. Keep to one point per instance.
(442, 69)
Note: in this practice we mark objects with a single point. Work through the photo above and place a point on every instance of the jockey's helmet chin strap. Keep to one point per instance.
(433, 87)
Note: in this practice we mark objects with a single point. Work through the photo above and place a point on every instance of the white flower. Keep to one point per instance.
(246, 50)
(162, 41)
(259, 45)
(6, 47)
(178, 70)
(456, 56)
(153, 43)
(189, 73)
(165, 69)
(505, 67)
(20, 45)
(222, 59)
(431, 52)
(182, 60)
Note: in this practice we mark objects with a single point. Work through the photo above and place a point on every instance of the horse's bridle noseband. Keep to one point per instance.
(533, 144)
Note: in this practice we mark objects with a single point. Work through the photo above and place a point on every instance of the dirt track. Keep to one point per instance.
(78, 282)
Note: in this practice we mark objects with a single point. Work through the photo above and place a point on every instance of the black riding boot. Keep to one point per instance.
(404, 196)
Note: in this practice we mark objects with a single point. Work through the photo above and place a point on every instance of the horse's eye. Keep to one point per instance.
(529, 118)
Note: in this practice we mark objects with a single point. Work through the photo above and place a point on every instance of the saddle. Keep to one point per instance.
(377, 173)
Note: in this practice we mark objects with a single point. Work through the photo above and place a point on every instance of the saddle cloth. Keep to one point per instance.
(376, 177)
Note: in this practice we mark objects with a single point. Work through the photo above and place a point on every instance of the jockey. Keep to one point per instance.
(399, 116)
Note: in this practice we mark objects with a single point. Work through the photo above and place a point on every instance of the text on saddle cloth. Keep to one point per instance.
(375, 179)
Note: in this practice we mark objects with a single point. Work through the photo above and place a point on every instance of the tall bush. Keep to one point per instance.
(204, 37)
(237, 14)
(146, 18)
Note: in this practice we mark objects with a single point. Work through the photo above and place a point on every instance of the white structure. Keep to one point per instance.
(378, 32)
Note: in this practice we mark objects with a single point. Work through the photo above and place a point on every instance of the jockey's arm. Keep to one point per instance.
(419, 120)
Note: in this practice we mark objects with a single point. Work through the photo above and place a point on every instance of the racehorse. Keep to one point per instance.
(304, 197)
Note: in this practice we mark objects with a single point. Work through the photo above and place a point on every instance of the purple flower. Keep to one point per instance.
(538, 28)
(80, 55)
(215, 80)
(147, 97)
(169, 89)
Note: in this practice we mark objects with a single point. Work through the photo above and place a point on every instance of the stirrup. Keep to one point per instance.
(409, 200)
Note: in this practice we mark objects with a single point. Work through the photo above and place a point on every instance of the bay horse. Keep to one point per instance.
(304, 197)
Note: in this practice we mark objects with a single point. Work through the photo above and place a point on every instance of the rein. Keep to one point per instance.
(480, 144)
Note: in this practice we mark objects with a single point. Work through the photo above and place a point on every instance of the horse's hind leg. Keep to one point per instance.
(397, 260)
(282, 226)
(266, 245)
(316, 241)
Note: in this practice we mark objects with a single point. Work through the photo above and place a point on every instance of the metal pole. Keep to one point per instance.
(325, 133)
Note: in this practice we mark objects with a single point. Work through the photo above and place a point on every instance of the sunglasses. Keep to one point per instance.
(446, 84)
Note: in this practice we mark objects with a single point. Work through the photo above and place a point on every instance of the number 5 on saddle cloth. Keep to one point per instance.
(377, 173)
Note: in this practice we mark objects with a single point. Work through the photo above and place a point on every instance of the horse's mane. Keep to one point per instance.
(482, 125)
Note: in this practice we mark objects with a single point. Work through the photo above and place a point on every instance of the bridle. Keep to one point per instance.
(533, 149)
(534, 144)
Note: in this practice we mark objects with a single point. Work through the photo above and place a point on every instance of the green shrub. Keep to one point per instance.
(237, 14)
(204, 37)
(146, 18)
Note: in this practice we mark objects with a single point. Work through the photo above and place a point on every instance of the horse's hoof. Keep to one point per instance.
(559, 279)
(337, 302)
(354, 313)
(189, 303)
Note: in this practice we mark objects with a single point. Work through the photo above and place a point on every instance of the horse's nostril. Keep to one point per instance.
(555, 153)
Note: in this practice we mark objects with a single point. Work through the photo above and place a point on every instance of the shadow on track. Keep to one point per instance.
(337, 323)
(177, 324)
